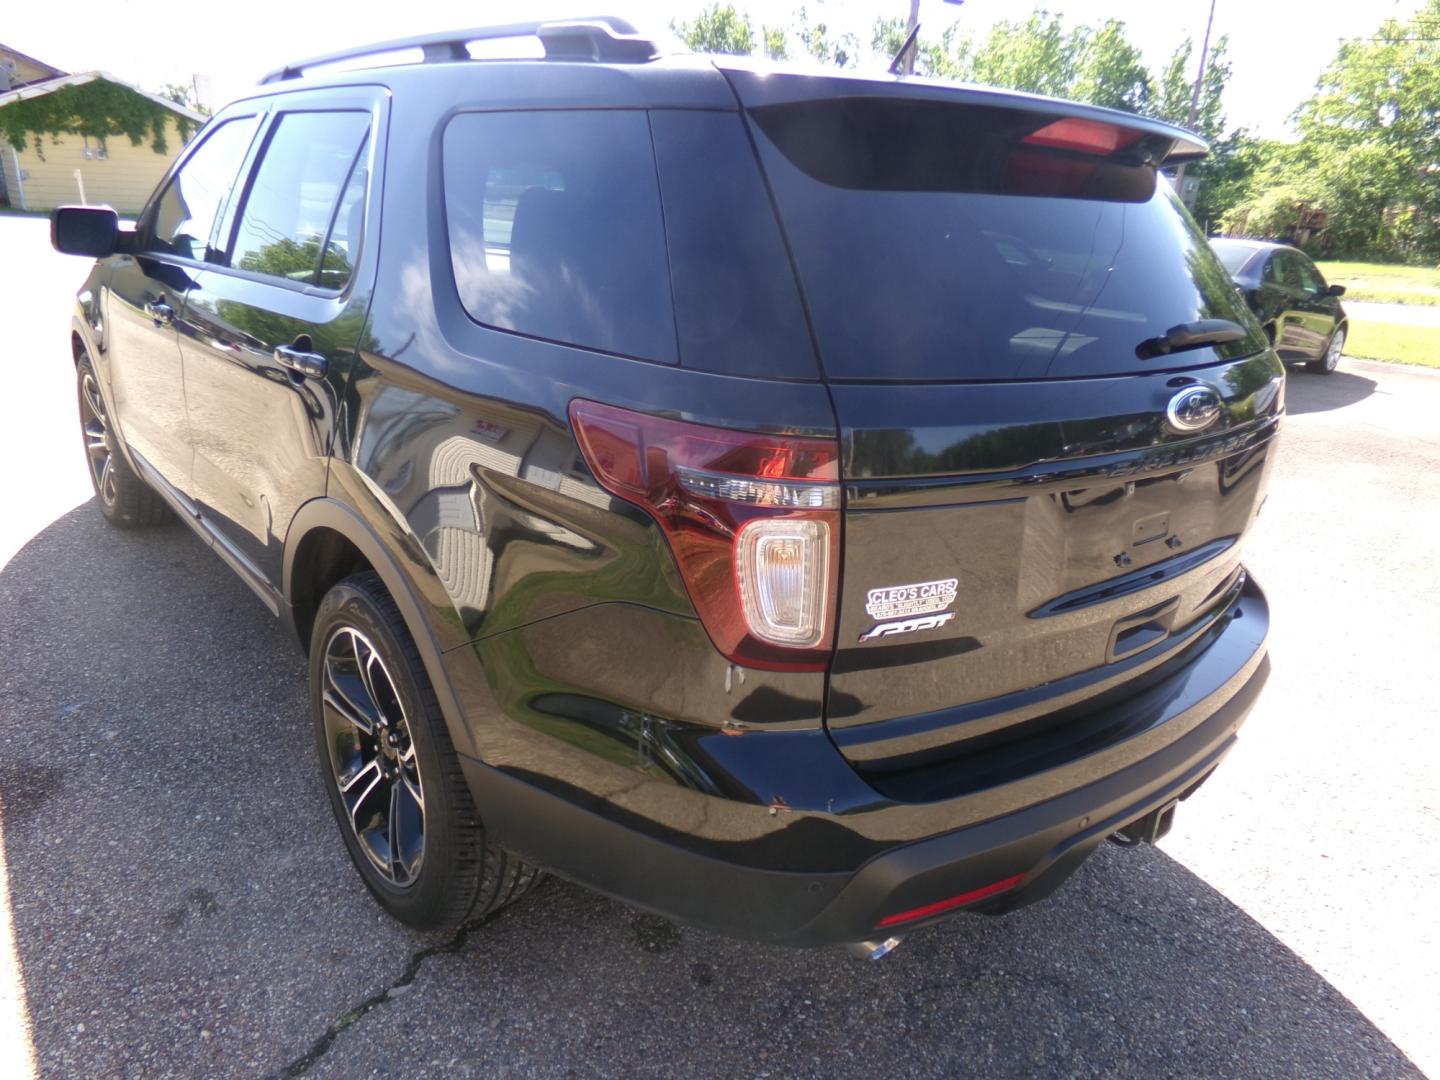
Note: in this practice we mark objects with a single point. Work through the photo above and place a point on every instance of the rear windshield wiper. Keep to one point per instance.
(1191, 335)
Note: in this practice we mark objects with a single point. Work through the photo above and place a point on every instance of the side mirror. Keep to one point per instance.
(1335, 290)
(85, 230)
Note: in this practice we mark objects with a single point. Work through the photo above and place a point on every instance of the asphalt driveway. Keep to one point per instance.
(177, 901)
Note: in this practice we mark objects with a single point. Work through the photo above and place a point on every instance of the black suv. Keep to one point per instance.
(802, 505)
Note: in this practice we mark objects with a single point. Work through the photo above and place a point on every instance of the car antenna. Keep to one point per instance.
(900, 56)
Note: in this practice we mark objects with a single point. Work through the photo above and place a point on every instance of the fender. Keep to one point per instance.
(330, 513)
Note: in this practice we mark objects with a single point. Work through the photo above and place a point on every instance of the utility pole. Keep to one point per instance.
(906, 59)
(1195, 94)
(914, 21)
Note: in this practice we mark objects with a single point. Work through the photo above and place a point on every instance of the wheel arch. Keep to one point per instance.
(328, 541)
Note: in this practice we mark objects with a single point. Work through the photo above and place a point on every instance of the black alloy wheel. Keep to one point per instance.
(393, 777)
(95, 427)
(125, 499)
(372, 756)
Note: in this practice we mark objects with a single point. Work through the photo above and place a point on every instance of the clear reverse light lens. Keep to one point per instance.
(741, 489)
(781, 564)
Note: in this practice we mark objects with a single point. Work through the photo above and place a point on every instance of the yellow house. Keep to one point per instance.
(17, 69)
(81, 169)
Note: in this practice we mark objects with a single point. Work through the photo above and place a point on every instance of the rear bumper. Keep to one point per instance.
(1039, 844)
(1043, 844)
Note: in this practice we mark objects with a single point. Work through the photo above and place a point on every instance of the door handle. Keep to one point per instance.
(309, 364)
(160, 311)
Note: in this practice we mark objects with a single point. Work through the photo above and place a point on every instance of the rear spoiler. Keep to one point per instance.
(1066, 125)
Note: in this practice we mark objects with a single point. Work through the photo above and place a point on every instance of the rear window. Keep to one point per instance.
(1231, 256)
(555, 228)
(935, 242)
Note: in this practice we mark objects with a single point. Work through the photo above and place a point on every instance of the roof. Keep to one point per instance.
(38, 89)
(1251, 244)
(18, 55)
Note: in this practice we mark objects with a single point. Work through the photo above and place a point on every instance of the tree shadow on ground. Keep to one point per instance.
(182, 903)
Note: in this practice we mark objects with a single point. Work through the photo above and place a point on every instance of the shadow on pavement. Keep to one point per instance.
(1306, 392)
(182, 904)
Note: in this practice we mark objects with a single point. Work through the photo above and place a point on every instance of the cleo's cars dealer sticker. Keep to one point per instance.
(903, 609)
(898, 601)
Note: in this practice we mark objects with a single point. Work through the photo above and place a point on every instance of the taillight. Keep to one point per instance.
(753, 521)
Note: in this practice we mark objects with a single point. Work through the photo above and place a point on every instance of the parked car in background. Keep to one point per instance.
(1301, 314)
(699, 479)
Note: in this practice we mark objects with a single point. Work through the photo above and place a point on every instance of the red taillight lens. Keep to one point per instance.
(753, 520)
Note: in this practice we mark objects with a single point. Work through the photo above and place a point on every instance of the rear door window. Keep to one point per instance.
(1231, 257)
(310, 158)
(938, 242)
(343, 247)
(555, 228)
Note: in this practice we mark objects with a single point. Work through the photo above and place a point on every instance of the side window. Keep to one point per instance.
(737, 307)
(1290, 272)
(343, 248)
(185, 214)
(1309, 277)
(309, 160)
(555, 228)
(1271, 273)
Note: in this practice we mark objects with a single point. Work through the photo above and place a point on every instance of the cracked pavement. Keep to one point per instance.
(180, 904)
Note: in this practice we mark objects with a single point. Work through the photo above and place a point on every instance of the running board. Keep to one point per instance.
(189, 512)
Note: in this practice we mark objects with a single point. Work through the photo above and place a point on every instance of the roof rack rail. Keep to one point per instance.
(596, 37)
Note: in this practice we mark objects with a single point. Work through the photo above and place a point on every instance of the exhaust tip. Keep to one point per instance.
(873, 950)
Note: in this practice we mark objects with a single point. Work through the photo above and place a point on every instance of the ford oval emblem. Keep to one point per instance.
(1193, 409)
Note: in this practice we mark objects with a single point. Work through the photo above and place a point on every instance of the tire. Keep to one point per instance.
(1330, 358)
(428, 862)
(126, 500)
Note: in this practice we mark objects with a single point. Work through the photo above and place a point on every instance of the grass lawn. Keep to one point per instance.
(1385, 283)
(1394, 341)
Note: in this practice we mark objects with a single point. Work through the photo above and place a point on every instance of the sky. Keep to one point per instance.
(1278, 47)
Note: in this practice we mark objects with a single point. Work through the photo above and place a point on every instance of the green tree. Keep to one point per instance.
(776, 44)
(1171, 92)
(1370, 141)
(1229, 172)
(934, 58)
(1109, 70)
(818, 40)
(718, 29)
(1038, 56)
(183, 94)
